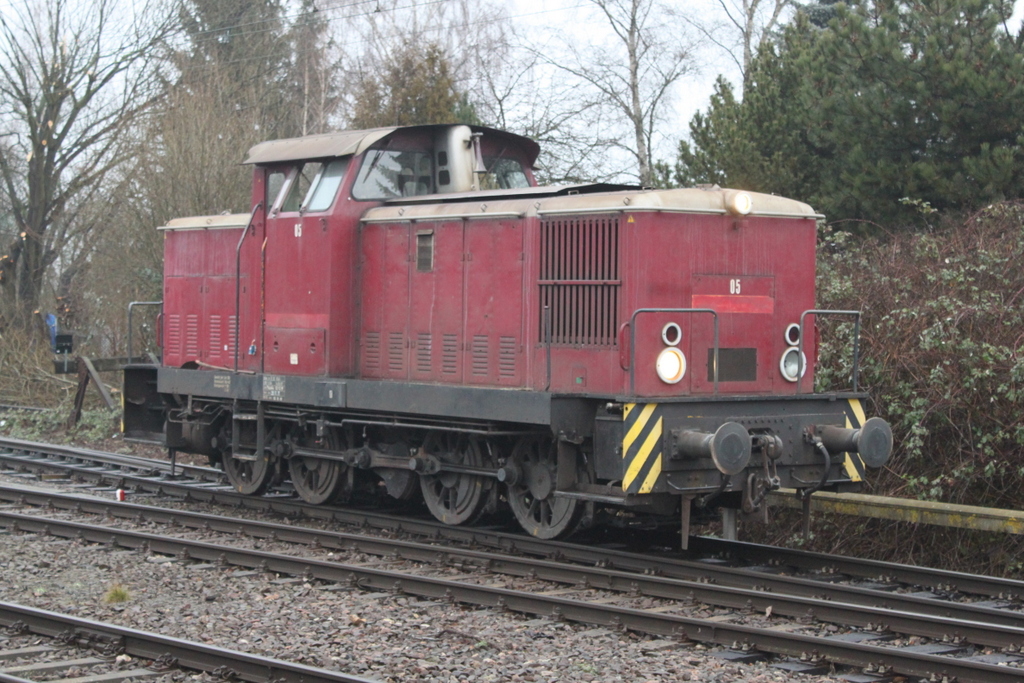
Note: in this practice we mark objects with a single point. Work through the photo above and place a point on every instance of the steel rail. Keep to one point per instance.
(666, 625)
(113, 459)
(994, 586)
(910, 616)
(508, 542)
(147, 645)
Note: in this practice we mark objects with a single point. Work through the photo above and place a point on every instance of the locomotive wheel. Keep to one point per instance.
(452, 497)
(251, 477)
(316, 480)
(532, 497)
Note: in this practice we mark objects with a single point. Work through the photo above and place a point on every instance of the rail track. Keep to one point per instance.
(83, 645)
(971, 641)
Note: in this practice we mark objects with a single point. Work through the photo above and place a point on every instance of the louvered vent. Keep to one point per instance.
(424, 357)
(396, 352)
(215, 332)
(232, 332)
(507, 357)
(173, 334)
(480, 353)
(372, 352)
(192, 336)
(450, 354)
(579, 280)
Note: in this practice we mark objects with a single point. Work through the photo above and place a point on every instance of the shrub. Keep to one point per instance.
(942, 350)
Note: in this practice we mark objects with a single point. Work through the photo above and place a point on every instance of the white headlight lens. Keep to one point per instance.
(791, 363)
(740, 203)
(671, 365)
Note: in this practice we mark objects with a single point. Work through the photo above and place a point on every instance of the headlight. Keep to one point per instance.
(792, 363)
(793, 334)
(739, 203)
(671, 365)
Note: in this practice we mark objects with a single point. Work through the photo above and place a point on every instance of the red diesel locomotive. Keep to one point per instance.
(405, 308)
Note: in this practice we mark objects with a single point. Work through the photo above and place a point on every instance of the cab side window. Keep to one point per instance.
(275, 182)
(325, 186)
(300, 186)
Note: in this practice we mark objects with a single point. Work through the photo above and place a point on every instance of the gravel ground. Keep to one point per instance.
(384, 637)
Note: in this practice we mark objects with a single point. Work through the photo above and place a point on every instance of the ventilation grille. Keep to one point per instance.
(396, 352)
(215, 332)
(424, 359)
(192, 336)
(480, 353)
(507, 357)
(579, 281)
(450, 354)
(173, 335)
(232, 332)
(372, 352)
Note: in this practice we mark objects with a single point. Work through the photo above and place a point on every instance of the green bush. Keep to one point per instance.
(942, 350)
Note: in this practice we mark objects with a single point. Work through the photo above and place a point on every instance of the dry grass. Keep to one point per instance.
(115, 594)
(26, 372)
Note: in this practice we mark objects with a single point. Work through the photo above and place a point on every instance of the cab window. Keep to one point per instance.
(390, 173)
(300, 186)
(275, 181)
(324, 187)
(503, 174)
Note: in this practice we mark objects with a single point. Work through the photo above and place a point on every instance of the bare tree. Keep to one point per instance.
(74, 79)
(634, 75)
(742, 27)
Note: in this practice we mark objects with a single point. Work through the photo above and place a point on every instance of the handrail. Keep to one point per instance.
(800, 344)
(132, 305)
(632, 340)
(238, 278)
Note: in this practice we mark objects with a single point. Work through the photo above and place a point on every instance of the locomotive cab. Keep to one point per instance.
(405, 311)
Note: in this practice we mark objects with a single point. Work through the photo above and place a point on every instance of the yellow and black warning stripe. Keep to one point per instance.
(641, 446)
(855, 418)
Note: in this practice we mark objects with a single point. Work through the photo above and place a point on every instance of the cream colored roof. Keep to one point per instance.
(691, 200)
(346, 142)
(221, 221)
(339, 144)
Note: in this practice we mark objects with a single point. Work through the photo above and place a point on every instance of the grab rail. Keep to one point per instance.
(238, 279)
(131, 306)
(856, 344)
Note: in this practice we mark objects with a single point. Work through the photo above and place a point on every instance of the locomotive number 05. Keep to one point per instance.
(734, 286)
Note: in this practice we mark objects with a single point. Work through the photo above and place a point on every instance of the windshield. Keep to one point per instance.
(390, 173)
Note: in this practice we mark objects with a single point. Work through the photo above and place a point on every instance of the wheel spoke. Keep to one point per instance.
(453, 498)
(533, 499)
(319, 480)
(251, 477)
